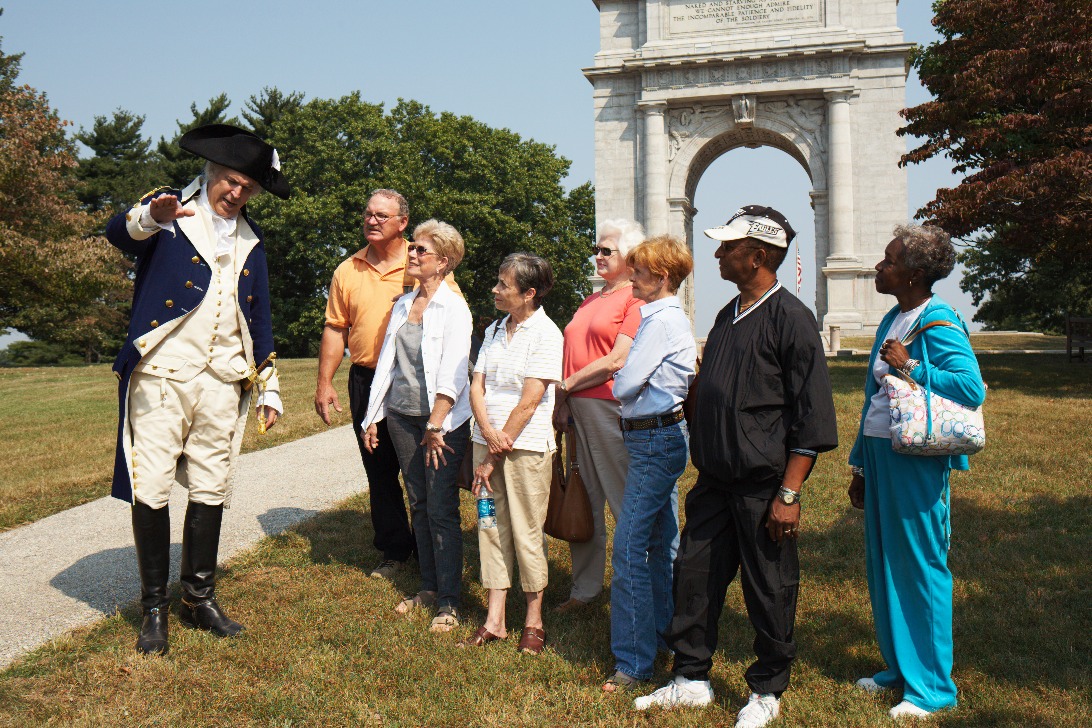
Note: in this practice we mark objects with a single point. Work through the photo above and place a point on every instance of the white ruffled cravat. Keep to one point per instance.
(223, 227)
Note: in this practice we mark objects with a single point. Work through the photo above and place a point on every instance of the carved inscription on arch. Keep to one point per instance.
(720, 16)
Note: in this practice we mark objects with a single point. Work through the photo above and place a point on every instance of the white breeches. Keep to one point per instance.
(196, 419)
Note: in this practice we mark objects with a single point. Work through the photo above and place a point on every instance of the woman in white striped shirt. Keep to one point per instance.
(512, 397)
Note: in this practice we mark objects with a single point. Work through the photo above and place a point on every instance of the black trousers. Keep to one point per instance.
(726, 533)
(389, 520)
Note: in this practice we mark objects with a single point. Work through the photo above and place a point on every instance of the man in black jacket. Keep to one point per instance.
(763, 410)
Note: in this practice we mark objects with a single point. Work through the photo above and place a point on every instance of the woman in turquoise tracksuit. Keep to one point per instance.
(905, 497)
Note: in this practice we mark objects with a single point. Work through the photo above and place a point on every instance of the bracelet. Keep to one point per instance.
(429, 427)
(909, 366)
(858, 470)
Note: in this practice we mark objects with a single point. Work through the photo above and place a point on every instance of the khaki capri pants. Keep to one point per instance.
(521, 489)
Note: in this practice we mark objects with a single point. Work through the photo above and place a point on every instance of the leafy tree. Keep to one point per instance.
(332, 152)
(122, 167)
(501, 192)
(37, 354)
(1013, 111)
(263, 111)
(55, 284)
(177, 166)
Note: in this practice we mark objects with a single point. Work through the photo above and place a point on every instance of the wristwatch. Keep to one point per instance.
(788, 497)
(433, 428)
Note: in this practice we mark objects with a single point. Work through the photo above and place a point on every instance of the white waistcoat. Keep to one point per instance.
(210, 336)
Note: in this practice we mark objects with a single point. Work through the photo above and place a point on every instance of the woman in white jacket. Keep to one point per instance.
(420, 387)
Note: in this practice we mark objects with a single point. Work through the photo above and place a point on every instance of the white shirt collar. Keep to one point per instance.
(669, 302)
(224, 227)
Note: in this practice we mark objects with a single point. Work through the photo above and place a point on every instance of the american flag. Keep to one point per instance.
(799, 271)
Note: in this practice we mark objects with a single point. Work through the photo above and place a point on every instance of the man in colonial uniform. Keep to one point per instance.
(200, 344)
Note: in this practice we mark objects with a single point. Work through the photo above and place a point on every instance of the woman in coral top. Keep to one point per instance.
(597, 342)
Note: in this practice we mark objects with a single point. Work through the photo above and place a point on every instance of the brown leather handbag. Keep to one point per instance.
(569, 516)
(465, 477)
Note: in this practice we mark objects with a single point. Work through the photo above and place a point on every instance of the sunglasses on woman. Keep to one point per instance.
(421, 250)
(605, 252)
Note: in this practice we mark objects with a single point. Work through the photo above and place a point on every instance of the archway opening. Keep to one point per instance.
(743, 176)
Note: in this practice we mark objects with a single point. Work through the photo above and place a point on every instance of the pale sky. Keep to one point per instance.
(508, 64)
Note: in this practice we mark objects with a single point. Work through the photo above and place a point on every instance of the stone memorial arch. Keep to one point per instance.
(677, 84)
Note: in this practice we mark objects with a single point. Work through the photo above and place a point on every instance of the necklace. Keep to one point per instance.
(604, 294)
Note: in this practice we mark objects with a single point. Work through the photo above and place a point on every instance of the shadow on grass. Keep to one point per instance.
(1023, 588)
(1021, 607)
(1053, 377)
(1026, 615)
(108, 580)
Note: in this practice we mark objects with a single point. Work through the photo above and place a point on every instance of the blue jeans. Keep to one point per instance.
(645, 542)
(434, 505)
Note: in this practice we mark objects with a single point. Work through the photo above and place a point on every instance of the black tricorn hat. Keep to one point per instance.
(240, 150)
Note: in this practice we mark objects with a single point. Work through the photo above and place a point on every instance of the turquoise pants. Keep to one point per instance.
(907, 532)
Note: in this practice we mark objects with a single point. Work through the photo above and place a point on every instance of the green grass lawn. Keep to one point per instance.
(58, 426)
(983, 341)
(324, 646)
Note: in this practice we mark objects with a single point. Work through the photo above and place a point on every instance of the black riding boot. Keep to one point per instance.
(200, 543)
(152, 536)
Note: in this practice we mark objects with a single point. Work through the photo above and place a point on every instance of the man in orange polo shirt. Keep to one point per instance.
(362, 295)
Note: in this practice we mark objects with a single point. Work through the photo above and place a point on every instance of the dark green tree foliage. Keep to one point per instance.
(332, 152)
(122, 166)
(179, 167)
(1013, 111)
(38, 354)
(264, 110)
(502, 193)
(57, 283)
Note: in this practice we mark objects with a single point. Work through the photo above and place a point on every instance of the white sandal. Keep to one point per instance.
(445, 621)
(420, 599)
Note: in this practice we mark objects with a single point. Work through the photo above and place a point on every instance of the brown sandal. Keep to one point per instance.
(532, 641)
(480, 638)
(620, 682)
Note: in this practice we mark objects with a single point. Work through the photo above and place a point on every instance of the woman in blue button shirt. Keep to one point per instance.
(651, 388)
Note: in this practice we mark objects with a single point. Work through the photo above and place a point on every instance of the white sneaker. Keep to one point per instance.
(906, 709)
(759, 710)
(680, 691)
(870, 686)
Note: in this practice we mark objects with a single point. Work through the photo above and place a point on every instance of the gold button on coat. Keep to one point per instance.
(246, 272)
(154, 323)
(249, 299)
(189, 284)
(195, 259)
(168, 303)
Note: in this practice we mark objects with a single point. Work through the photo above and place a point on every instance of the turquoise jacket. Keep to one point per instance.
(948, 365)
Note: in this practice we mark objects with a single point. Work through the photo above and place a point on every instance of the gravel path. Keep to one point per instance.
(72, 568)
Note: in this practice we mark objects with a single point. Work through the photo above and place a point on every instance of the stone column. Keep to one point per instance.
(681, 225)
(822, 250)
(655, 168)
(840, 178)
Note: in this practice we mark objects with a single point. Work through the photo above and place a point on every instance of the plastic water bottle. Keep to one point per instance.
(487, 508)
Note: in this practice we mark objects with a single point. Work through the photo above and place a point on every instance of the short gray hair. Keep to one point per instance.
(214, 171)
(628, 232)
(403, 205)
(929, 248)
(529, 271)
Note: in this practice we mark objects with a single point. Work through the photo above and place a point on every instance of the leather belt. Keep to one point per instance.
(650, 423)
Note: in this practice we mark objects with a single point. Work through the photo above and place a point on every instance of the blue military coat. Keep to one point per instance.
(172, 278)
